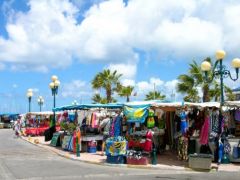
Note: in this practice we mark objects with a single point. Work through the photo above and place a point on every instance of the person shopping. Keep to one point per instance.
(105, 127)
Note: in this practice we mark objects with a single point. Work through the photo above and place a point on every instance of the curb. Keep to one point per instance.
(67, 156)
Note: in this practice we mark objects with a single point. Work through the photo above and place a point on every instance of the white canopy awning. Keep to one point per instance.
(179, 104)
(232, 103)
(41, 113)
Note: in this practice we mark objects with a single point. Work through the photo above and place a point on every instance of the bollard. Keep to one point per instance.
(154, 156)
(77, 147)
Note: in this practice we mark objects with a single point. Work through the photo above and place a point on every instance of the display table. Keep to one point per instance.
(92, 138)
(233, 142)
(157, 138)
(158, 132)
(37, 131)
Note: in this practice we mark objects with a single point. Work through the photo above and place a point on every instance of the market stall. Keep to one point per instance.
(154, 127)
(149, 129)
(232, 113)
(203, 128)
(38, 122)
(91, 119)
(7, 119)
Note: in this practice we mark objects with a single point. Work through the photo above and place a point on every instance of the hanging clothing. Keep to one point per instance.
(215, 121)
(148, 142)
(150, 122)
(220, 151)
(71, 117)
(159, 113)
(237, 115)
(221, 123)
(111, 132)
(117, 126)
(89, 118)
(93, 120)
(204, 131)
(232, 124)
(184, 125)
(183, 148)
(97, 120)
(80, 117)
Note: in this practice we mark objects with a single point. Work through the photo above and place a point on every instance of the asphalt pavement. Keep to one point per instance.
(22, 160)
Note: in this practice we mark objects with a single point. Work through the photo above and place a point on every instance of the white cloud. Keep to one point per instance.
(128, 82)
(49, 34)
(156, 81)
(77, 89)
(127, 70)
(167, 88)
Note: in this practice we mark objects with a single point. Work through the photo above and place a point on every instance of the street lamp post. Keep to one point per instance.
(220, 71)
(29, 95)
(40, 102)
(54, 87)
(75, 102)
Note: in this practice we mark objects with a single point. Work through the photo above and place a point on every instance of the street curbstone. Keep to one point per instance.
(71, 157)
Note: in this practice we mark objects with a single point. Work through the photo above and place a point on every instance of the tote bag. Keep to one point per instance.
(236, 151)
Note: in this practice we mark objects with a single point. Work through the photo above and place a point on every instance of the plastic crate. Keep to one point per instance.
(200, 161)
(116, 159)
(92, 149)
(92, 143)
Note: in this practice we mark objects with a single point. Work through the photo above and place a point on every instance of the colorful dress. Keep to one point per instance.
(183, 148)
(184, 125)
(204, 131)
(148, 142)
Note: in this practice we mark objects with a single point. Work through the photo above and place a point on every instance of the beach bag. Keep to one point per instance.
(236, 151)
(227, 147)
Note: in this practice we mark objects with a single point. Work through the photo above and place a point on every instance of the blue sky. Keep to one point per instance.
(148, 42)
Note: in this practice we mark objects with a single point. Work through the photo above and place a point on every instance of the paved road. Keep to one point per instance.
(22, 160)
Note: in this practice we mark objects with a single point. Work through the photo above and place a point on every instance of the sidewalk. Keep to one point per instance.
(165, 162)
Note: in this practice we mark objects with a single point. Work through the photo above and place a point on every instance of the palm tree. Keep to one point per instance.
(229, 94)
(126, 91)
(98, 99)
(154, 95)
(195, 78)
(192, 96)
(107, 80)
(216, 92)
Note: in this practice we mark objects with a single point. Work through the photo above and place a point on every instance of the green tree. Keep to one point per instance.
(192, 96)
(229, 94)
(126, 91)
(188, 83)
(215, 92)
(109, 81)
(155, 95)
(98, 99)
